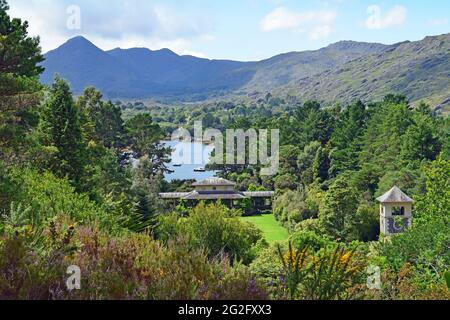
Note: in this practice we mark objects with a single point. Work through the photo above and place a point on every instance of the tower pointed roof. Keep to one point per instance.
(395, 195)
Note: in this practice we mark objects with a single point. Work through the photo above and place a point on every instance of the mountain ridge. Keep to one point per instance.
(315, 74)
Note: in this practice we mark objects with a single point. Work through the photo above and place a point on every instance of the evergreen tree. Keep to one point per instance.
(63, 128)
(420, 141)
(321, 165)
(19, 55)
(382, 140)
(19, 72)
(102, 120)
(338, 215)
(345, 142)
(146, 136)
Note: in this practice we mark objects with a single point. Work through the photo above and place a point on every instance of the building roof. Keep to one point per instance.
(214, 182)
(216, 195)
(395, 195)
(259, 194)
(174, 195)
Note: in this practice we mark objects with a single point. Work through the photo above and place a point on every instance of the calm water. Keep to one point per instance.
(190, 155)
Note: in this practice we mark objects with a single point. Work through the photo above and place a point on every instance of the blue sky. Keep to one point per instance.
(232, 29)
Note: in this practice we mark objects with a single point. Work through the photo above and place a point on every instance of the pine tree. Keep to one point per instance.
(345, 139)
(102, 120)
(19, 55)
(19, 71)
(63, 128)
(338, 215)
(420, 141)
(146, 136)
(321, 165)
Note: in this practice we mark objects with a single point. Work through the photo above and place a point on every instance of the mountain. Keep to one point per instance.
(140, 72)
(343, 72)
(83, 64)
(283, 69)
(419, 70)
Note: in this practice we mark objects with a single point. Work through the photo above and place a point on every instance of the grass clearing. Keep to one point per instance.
(270, 227)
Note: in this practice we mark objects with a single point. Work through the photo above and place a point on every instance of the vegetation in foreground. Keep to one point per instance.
(67, 197)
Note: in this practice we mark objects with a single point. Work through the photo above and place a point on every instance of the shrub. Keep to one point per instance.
(327, 275)
(214, 228)
(292, 207)
(129, 266)
(312, 240)
(47, 197)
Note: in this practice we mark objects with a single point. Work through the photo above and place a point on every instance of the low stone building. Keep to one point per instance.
(215, 189)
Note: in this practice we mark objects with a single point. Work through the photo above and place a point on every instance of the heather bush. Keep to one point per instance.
(409, 284)
(127, 266)
(33, 260)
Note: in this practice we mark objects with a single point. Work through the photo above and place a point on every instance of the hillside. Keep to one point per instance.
(343, 72)
(140, 72)
(283, 69)
(419, 70)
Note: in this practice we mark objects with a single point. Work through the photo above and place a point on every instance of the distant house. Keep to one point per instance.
(215, 189)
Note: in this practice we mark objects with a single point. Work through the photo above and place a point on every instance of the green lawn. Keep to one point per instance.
(270, 227)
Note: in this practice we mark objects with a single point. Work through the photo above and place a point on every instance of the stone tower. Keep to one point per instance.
(395, 212)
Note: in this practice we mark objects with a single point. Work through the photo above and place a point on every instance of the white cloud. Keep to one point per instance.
(320, 32)
(114, 23)
(438, 22)
(316, 23)
(377, 20)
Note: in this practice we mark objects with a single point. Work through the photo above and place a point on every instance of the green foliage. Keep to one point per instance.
(321, 165)
(305, 162)
(344, 141)
(19, 85)
(447, 279)
(326, 275)
(293, 266)
(45, 197)
(20, 54)
(410, 181)
(65, 199)
(435, 204)
(424, 248)
(382, 141)
(367, 222)
(291, 208)
(61, 124)
(420, 141)
(214, 228)
(145, 190)
(312, 240)
(146, 138)
(116, 267)
(337, 216)
(103, 121)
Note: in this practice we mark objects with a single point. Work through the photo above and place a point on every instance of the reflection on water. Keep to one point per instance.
(190, 155)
